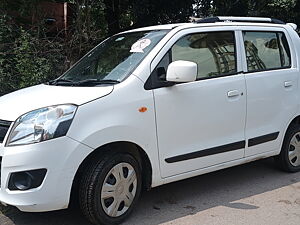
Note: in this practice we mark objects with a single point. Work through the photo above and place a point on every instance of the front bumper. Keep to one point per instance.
(61, 157)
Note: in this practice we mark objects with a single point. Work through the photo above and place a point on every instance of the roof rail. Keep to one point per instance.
(239, 19)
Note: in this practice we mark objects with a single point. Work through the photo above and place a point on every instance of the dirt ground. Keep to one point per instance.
(255, 193)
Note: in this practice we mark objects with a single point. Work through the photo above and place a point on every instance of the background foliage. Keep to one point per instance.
(28, 55)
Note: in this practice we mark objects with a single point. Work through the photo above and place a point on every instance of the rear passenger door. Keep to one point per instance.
(271, 82)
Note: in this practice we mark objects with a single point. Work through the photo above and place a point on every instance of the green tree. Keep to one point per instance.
(230, 7)
(148, 12)
(203, 8)
(281, 9)
(8, 79)
(28, 55)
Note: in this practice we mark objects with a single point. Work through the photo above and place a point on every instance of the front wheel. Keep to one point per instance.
(289, 158)
(110, 189)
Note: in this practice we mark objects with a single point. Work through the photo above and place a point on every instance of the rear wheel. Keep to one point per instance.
(110, 189)
(289, 158)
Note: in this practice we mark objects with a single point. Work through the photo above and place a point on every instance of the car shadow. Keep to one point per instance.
(179, 199)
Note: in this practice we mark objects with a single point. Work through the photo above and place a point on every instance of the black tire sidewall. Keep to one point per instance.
(284, 156)
(101, 171)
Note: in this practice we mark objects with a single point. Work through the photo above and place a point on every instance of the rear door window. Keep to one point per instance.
(266, 50)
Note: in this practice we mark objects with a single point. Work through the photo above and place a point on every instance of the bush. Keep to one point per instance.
(25, 58)
(8, 79)
(36, 62)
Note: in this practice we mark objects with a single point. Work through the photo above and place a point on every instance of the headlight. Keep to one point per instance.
(42, 124)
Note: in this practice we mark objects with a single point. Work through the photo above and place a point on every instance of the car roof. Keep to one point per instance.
(220, 21)
(157, 27)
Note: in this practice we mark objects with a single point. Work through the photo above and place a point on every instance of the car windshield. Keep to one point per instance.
(112, 60)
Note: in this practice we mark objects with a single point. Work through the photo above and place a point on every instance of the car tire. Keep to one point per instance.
(110, 189)
(289, 157)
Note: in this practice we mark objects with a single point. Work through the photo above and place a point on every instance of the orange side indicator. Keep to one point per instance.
(143, 109)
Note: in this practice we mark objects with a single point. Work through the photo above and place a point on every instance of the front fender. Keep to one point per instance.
(117, 117)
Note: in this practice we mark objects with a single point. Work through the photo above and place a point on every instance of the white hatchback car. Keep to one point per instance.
(151, 106)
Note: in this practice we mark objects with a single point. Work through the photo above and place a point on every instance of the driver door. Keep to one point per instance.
(202, 123)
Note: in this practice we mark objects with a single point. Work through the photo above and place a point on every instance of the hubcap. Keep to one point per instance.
(294, 150)
(118, 189)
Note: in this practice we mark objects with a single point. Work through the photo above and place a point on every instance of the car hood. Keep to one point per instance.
(25, 100)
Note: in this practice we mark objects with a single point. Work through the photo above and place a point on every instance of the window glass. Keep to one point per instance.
(266, 50)
(214, 53)
(116, 57)
(285, 50)
(162, 67)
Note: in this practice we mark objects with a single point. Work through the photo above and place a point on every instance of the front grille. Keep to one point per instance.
(4, 126)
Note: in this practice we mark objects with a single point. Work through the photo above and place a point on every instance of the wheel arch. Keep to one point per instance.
(282, 159)
(295, 120)
(292, 122)
(117, 147)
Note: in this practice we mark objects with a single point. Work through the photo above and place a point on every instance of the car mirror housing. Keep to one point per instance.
(182, 71)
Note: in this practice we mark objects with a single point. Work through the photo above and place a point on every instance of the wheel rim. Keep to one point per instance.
(118, 190)
(294, 150)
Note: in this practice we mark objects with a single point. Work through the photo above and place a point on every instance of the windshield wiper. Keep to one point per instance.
(87, 82)
(93, 82)
(60, 81)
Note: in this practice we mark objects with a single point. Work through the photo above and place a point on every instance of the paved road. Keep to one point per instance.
(255, 193)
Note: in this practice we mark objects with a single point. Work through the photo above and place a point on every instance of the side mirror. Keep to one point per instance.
(182, 71)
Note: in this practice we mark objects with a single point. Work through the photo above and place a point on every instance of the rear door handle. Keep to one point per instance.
(232, 93)
(288, 83)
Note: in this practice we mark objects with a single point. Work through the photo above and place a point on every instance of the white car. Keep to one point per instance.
(151, 106)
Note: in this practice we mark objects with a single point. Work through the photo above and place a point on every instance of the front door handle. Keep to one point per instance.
(232, 93)
(288, 84)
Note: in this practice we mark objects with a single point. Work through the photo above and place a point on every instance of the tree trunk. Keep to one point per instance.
(112, 15)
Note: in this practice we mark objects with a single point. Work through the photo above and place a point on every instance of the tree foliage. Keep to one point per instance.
(287, 10)
(26, 60)
(29, 55)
